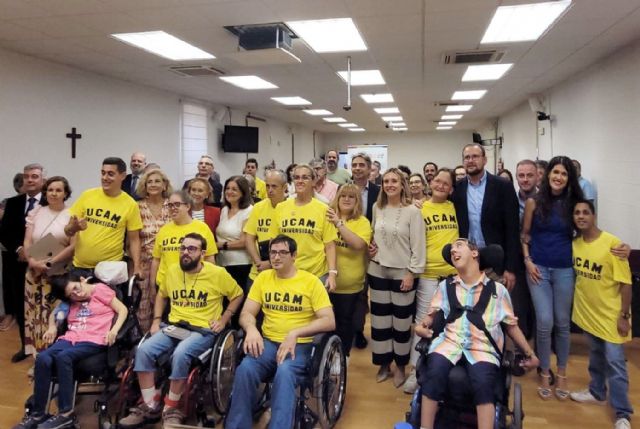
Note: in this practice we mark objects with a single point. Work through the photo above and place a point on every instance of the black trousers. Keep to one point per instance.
(361, 308)
(343, 306)
(13, 272)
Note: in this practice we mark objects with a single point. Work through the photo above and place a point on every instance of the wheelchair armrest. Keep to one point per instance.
(319, 342)
(423, 345)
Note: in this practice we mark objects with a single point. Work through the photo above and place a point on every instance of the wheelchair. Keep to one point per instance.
(322, 394)
(100, 374)
(208, 387)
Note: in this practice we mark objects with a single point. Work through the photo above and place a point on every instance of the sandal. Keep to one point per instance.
(562, 394)
(545, 392)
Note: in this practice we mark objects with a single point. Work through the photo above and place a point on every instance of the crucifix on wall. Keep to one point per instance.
(73, 136)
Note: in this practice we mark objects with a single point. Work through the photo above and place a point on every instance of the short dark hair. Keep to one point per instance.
(367, 158)
(541, 163)
(245, 188)
(478, 145)
(251, 161)
(18, 181)
(59, 284)
(196, 236)
(50, 180)
(526, 162)
(293, 246)
(118, 162)
(592, 206)
(430, 163)
(405, 169)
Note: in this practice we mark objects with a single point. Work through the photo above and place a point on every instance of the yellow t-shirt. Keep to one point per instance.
(259, 225)
(197, 298)
(288, 303)
(167, 245)
(596, 301)
(108, 218)
(261, 188)
(441, 228)
(309, 227)
(352, 263)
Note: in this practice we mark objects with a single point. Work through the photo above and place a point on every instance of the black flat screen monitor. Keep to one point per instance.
(240, 139)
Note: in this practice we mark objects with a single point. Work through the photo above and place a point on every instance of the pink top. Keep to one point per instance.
(90, 321)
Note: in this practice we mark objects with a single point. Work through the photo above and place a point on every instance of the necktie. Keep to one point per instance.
(134, 184)
(32, 203)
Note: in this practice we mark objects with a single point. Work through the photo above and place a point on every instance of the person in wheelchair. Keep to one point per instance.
(477, 339)
(195, 289)
(296, 306)
(90, 331)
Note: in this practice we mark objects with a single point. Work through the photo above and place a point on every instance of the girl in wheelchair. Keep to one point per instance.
(90, 331)
(476, 339)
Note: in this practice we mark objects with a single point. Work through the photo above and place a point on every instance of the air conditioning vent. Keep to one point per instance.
(447, 103)
(486, 56)
(196, 71)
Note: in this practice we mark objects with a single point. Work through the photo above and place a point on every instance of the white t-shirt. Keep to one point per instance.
(231, 230)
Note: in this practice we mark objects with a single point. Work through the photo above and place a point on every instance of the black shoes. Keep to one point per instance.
(360, 341)
(18, 357)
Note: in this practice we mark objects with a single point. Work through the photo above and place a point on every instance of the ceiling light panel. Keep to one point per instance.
(524, 22)
(377, 98)
(386, 110)
(292, 101)
(329, 35)
(248, 82)
(397, 124)
(356, 130)
(443, 128)
(363, 77)
(460, 108)
(399, 129)
(335, 119)
(469, 95)
(447, 123)
(392, 118)
(485, 72)
(449, 117)
(164, 45)
(317, 112)
(348, 125)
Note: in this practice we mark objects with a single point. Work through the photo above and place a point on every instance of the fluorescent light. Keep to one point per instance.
(291, 101)
(357, 130)
(164, 45)
(248, 82)
(460, 108)
(385, 110)
(447, 123)
(469, 95)
(363, 77)
(524, 22)
(399, 129)
(392, 118)
(443, 128)
(377, 98)
(485, 72)
(334, 120)
(397, 124)
(329, 35)
(445, 117)
(348, 125)
(317, 112)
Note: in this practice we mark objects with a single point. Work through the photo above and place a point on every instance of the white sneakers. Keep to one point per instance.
(586, 397)
(622, 424)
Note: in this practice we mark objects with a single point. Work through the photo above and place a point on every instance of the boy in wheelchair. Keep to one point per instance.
(90, 331)
(477, 339)
(296, 306)
(195, 289)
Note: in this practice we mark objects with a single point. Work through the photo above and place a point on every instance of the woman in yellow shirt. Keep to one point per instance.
(354, 236)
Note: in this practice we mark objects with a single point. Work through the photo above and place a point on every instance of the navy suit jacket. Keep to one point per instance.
(126, 186)
(13, 224)
(499, 219)
(372, 197)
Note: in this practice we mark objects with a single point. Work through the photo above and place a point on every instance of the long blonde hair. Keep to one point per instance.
(349, 189)
(405, 195)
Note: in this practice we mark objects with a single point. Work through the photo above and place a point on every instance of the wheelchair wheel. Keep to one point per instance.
(330, 386)
(517, 407)
(222, 369)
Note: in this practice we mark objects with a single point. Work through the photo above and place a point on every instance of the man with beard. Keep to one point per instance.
(527, 178)
(137, 163)
(335, 173)
(429, 169)
(195, 289)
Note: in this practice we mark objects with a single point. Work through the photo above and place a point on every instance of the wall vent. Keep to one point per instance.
(447, 103)
(196, 71)
(486, 56)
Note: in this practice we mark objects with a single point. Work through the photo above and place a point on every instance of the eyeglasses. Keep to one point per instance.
(470, 157)
(190, 249)
(274, 253)
(175, 205)
(205, 163)
(305, 178)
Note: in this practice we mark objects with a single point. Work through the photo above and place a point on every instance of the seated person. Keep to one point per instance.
(195, 289)
(463, 340)
(90, 331)
(296, 306)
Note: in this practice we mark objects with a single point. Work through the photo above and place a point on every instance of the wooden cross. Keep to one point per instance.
(73, 136)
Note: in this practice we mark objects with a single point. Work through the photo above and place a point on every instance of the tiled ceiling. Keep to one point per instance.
(406, 40)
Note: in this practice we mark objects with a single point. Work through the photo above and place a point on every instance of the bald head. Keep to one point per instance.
(137, 163)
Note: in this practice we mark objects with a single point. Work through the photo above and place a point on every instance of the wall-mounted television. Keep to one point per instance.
(240, 139)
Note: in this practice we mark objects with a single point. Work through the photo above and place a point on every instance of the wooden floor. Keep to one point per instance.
(368, 405)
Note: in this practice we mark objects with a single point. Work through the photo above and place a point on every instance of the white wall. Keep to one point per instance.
(410, 149)
(595, 121)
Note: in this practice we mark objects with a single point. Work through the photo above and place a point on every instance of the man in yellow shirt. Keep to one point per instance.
(296, 306)
(195, 289)
(100, 218)
(251, 168)
(602, 308)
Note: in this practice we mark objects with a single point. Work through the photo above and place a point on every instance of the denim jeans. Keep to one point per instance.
(607, 364)
(64, 355)
(252, 371)
(183, 352)
(552, 298)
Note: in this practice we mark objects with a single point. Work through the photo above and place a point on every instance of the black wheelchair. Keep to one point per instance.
(322, 394)
(208, 387)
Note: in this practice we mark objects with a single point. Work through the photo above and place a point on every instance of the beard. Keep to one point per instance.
(188, 264)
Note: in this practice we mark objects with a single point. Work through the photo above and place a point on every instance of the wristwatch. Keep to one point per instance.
(625, 315)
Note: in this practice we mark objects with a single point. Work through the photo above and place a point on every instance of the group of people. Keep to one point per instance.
(311, 247)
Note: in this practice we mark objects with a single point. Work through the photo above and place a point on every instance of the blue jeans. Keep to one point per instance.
(552, 298)
(286, 378)
(64, 355)
(607, 364)
(183, 352)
